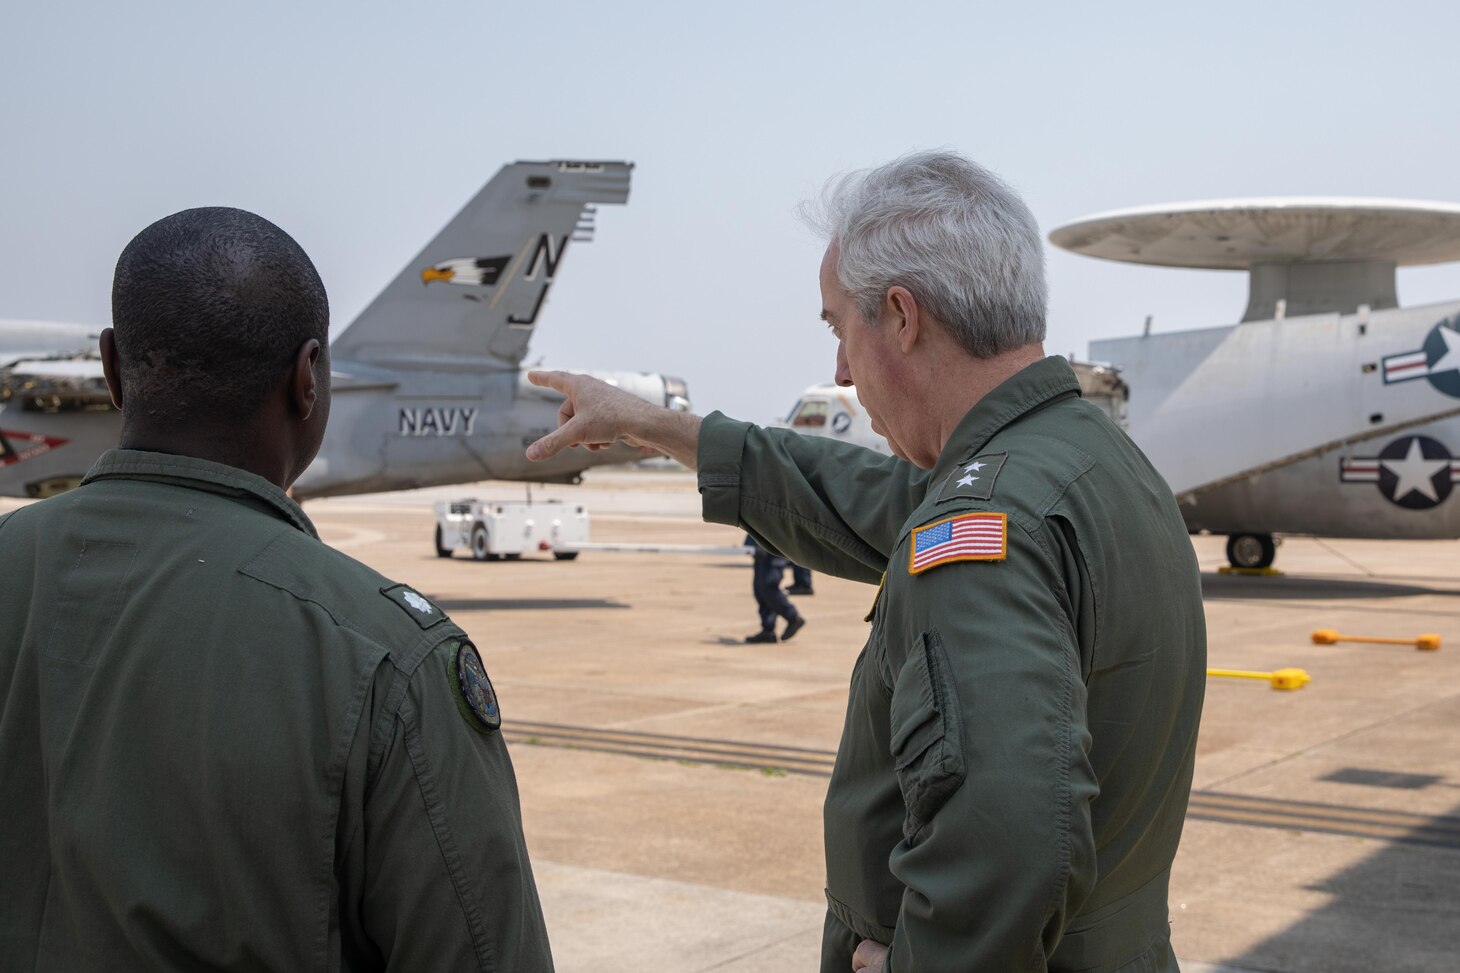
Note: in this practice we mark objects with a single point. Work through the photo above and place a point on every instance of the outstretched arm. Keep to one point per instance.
(828, 505)
(597, 415)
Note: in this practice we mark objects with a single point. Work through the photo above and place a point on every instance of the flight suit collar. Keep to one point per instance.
(199, 474)
(1016, 396)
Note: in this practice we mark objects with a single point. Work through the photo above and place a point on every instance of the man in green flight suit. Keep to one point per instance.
(1021, 729)
(224, 745)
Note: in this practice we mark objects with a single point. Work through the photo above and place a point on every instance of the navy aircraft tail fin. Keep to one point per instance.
(472, 297)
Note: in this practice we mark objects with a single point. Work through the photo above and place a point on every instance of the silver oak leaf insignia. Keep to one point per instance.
(417, 602)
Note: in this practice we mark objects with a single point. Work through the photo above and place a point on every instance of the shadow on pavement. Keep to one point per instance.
(1238, 587)
(1397, 910)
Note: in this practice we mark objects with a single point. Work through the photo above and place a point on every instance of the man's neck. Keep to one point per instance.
(967, 381)
(240, 448)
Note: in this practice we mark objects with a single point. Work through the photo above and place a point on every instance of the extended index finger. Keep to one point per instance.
(551, 380)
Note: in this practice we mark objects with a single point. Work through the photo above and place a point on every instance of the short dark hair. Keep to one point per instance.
(209, 307)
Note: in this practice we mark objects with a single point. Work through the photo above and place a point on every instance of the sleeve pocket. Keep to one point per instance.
(927, 733)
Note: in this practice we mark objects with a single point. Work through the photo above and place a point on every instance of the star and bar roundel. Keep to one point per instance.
(1414, 472)
(1438, 360)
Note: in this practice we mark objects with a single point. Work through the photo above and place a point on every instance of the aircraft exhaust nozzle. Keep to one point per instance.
(666, 390)
(676, 394)
(662, 390)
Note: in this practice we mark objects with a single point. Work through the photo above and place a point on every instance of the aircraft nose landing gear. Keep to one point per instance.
(1251, 551)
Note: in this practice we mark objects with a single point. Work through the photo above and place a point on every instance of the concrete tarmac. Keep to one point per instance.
(672, 776)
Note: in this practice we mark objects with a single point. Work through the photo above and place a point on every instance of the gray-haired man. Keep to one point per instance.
(1021, 729)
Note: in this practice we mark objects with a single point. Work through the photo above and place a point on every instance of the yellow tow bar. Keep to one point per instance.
(1425, 643)
(1285, 679)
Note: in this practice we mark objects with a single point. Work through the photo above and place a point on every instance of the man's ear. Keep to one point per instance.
(303, 385)
(903, 314)
(111, 366)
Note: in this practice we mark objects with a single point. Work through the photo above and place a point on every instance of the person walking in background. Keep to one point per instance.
(800, 581)
(770, 598)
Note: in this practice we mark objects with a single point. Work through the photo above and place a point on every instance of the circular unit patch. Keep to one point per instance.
(478, 699)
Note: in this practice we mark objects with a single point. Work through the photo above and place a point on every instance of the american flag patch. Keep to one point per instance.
(966, 537)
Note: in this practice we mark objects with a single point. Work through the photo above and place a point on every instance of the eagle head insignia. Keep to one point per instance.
(467, 271)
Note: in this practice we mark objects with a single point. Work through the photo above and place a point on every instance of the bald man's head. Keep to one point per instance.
(210, 307)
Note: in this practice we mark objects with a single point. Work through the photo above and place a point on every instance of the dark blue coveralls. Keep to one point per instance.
(770, 569)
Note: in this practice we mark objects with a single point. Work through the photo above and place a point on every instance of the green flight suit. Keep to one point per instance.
(226, 746)
(1018, 749)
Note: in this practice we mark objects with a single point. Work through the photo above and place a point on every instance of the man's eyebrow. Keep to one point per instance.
(825, 314)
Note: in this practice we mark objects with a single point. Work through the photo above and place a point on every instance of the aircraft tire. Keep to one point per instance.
(481, 544)
(565, 555)
(1251, 550)
(441, 551)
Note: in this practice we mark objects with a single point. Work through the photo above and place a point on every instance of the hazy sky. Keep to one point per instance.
(362, 127)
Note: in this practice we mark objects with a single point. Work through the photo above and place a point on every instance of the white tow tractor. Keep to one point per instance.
(504, 529)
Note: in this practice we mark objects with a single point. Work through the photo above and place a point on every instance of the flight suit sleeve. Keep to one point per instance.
(827, 505)
(448, 883)
(990, 745)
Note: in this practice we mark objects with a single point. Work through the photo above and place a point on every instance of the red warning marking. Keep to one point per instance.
(17, 447)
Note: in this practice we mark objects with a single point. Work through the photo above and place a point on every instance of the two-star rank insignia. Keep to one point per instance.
(965, 537)
(973, 479)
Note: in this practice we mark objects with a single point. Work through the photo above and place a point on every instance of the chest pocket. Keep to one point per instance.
(927, 732)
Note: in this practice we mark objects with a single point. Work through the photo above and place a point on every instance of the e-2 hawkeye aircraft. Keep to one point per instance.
(427, 381)
(835, 412)
(1328, 410)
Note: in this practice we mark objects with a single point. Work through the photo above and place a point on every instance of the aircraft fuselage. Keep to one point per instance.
(1338, 425)
(400, 430)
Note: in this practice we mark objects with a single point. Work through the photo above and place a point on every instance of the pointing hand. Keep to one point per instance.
(597, 415)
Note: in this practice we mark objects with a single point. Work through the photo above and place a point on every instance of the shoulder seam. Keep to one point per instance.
(426, 640)
(395, 697)
(417, 640)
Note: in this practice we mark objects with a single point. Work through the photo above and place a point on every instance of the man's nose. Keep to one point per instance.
(843, 370)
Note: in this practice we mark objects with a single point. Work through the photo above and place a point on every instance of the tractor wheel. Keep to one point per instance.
(481, 544)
